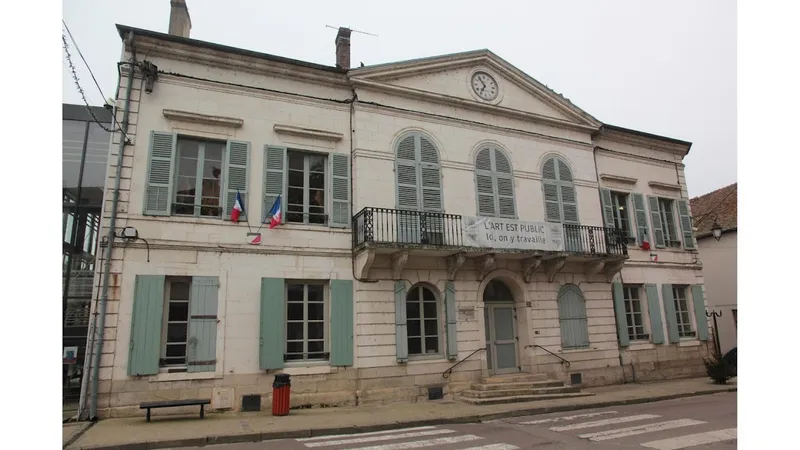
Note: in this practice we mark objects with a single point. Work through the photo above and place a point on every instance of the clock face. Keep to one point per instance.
(484, 85)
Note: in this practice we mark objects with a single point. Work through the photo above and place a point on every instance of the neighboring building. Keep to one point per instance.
(382, 274)
(719, 257)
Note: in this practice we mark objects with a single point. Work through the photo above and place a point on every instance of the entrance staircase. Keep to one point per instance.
(516, 388)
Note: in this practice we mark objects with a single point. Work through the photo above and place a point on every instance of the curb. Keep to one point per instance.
(480, 418)
(77, 434)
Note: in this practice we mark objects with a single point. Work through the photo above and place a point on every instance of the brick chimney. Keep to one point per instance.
(179, 21)
(343, 48)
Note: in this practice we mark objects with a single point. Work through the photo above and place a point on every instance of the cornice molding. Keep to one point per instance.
(308, 132)
(665, 186)
(641, 141)
(635, 158)
(206, 119)
(618, 178)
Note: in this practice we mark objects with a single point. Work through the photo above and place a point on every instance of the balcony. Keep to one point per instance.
(403, 234)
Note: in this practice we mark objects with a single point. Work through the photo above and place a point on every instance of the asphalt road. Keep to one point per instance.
(697, 423)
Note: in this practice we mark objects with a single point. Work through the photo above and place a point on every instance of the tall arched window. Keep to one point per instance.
(494, 183)
(419, 190)
(561, 203)
(572, 318)
(422, 319)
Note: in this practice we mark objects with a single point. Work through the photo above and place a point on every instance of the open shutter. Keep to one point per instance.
(203, 303)
(658, 228)
(146, 322)
(654, 309)
(160, 170)
(400, 329)
(642, 229)
(622, 319)
(340, 191)
(238, 156)
(669, 311)
(686, 224)
(272, 342)
(608, 207)
(700, 312)
(274, 179)
(341, 322)
(450, 313)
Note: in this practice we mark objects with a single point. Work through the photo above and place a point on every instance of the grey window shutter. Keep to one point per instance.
(452, 322)
(504, 180)
(552, 205)
(204, 298)
(340, 190)
(572, 317)
(160, 172)
(608, 207)
(401, 330)
(431, 187)
(619, 311)
(569, 202)
(274, 179)
(698, 301)
(686, 224)
(272, 341)
(564, 174)
(654, 309)
(560, 197)
(146, 321)
(642, 229)
(669, 311)
(484, 184)
(341, 322)
(237, 160)
(658, 229)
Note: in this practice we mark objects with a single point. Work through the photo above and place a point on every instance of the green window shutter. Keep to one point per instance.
(342, 322)
(669, 311)
(237, 160)
(401, 331)
(608, 207)
(450, 313)
(274, 179)
(203, 301)
(160, 170)
(619, 311)
(658, 229)
(700, 312)
(272, 342)
(146, 323)
(654, 309)
(642, 229)
(340, 191)
(686, 224)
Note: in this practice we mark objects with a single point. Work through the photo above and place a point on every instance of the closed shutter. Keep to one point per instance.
(274, 179)
(608, 208)
(619, 312)
(654, 310)
(698, 301)
(642, 229)
(552, 205)
(401, 330)
(160, 170)
(203, 302)
(340, 191)
(686, 224)
(658, 228)
(572, 318)
(238, 157)
(450, 313)
(272, 341)
(407, 188)
(669, 311)
(146, 322)
(504, 176)
(341, 322)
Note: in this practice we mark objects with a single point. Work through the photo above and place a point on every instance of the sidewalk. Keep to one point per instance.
(165, 432)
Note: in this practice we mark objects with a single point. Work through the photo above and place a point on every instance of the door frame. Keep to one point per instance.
(491, 359)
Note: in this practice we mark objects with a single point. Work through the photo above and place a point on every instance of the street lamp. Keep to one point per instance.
(716, 230)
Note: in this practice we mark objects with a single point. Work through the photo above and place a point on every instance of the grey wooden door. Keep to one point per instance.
(502, 338)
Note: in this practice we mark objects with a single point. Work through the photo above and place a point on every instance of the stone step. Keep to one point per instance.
(472, 393)
(515, 377)
(517, 385)
(519, 399)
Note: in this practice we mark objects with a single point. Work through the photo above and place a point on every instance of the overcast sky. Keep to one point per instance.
(667, 68)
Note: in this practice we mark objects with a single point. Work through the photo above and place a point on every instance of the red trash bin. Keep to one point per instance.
(281, 389)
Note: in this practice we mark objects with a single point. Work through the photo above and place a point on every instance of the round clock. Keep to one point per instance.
(484, 86)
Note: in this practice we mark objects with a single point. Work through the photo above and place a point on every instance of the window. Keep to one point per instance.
(494, 182)
(176, 322)
(666, 210)
(422, 316)
(682, 316)
(418, 183)
(306, 314)
(572, 318)
(634, 313)
(198, 183)
(560, 200)
(621, 213)
(306, 188)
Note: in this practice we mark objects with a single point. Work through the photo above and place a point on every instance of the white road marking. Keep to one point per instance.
(567, 418)
(420, 444)
(692, 440)
(641, 429)
(604, 422)
(494, 447)
(382, 437)
(371, 433)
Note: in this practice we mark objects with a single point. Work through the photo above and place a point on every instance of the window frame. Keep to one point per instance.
(582, 319)
(615, 205)
(679, 323)
(643, 312)
(666, 208)
(495, 175)
(163, 366)
(200, 165)
(306, 154)
(439, 324)
(325, 322)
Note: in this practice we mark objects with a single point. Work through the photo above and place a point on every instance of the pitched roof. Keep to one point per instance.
(720, 206)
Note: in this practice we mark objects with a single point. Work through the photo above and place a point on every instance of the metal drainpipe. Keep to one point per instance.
(111, 233)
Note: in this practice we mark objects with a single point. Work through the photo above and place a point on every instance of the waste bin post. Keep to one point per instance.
(281, 389)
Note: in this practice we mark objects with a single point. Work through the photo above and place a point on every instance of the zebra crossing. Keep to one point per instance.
(405, 439)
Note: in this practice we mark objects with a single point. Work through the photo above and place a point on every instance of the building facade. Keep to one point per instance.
(439, 212)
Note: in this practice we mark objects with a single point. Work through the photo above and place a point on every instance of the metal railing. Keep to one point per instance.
(563, 361)
(446, 373)
(588, 240)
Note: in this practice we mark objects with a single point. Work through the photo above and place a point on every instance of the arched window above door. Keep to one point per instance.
(497, 291)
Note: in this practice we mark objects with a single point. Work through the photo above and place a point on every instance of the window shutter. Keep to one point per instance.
(238, 157)
(642, 229)
(552, 205)
(272, 342)
(700, 312)
(654, 310)
(686, 224)
(569, 203)
(658, 229)
(431, 188)
(504, 179)
(564, 174)
(341, 322)
(608, 207)
(146, 322)
(669, 311)
(572, 318)
(485, 194)
(619, 311)
(274, 179)
(450, 313)
(202, 351)
(160, 170)
(401, 331)
(340, 191)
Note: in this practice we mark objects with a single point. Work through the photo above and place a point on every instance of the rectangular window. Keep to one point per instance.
(666, 209)
(422, 318)
(622, 215)
(176, 322)
(306, 316)
(682, 314)
(198, 181)
(305, 201)
(634, 313)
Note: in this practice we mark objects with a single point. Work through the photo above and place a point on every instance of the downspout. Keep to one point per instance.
(111, 233)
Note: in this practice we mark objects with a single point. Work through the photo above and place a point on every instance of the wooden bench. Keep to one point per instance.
(175, 403)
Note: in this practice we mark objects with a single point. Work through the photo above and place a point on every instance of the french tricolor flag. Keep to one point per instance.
(238, 208)
(275, 212)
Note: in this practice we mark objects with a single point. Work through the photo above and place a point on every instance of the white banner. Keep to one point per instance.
(491, 232)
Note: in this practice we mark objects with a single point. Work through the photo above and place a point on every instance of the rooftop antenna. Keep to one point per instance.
(354, 31)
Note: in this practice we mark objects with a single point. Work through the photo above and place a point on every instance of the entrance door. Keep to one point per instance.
(501, 331)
